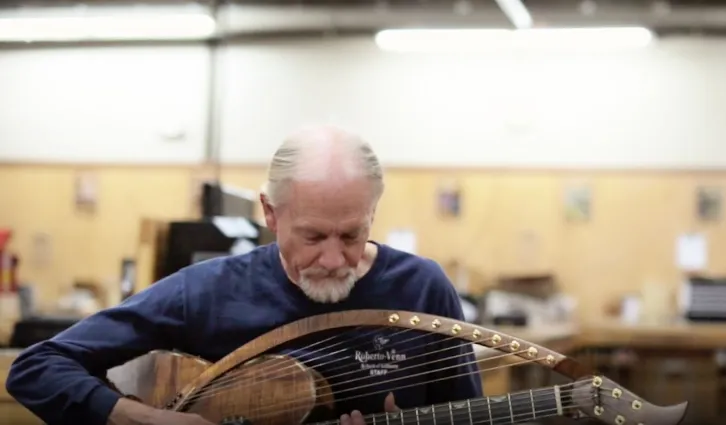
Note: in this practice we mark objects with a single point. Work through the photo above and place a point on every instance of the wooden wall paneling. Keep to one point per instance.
(512, 221)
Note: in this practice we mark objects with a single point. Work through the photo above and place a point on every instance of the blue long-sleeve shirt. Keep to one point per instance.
(209, 309)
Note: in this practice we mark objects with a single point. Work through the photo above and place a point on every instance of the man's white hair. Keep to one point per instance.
(312, 153)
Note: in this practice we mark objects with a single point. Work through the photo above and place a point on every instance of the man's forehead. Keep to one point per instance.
(343, 200)
(332, 224)
(325, 223)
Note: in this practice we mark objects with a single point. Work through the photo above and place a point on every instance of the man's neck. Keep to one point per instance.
(369, 257)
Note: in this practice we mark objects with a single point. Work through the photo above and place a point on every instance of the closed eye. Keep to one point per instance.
(351, 236)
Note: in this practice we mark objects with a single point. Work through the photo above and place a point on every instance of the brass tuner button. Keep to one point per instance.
(455, 329)
(550, 359)
(436, 324)
(597, 382)
(617, 393)
(393, 318)
(599, 410)
(619, 420)
(532, 352)
(476, 334)
(514, 345)
(496, 339)
(414, 320)
(637, 405)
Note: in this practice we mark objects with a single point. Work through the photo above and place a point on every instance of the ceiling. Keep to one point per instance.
(280, 16)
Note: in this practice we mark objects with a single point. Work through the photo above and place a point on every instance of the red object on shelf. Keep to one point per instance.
(14, 262)
(5, 235)
(8, 264)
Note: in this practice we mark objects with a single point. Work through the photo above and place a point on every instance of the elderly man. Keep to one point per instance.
(320, 200)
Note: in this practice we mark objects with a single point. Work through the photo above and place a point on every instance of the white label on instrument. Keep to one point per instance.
(379, 362)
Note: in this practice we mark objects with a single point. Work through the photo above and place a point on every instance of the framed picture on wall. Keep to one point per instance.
(708, 203)
(578, 202)
(448, 199)
(86, 189)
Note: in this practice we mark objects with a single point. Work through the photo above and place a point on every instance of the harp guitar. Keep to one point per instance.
(266, 382)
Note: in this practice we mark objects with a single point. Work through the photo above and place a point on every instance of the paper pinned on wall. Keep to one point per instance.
(691, 252)
(402, 239)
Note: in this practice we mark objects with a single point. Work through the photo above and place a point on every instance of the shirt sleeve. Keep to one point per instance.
(455, 373)
(58, 379)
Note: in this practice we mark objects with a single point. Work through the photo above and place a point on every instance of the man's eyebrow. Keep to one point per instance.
(303, 228)
(306, 228)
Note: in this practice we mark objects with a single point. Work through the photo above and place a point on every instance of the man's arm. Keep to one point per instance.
(57, 379)
(460, 378)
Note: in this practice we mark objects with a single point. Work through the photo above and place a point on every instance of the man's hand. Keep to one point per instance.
(356, 418)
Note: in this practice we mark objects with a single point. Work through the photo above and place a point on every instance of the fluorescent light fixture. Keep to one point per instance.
(107, 28)
(483, 40)
(517, 13)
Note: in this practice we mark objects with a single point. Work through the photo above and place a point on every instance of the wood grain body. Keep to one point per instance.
(272, 390)
(269, 389)
(155, 378)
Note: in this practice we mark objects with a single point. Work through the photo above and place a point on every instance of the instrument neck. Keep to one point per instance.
(524, 406)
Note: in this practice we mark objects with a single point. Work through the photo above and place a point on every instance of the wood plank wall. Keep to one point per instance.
(511, 222)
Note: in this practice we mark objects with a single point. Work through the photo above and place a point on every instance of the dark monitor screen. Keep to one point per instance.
(190, 242)
(227, 201)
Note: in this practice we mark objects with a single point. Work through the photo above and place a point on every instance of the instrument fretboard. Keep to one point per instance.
(512, 408)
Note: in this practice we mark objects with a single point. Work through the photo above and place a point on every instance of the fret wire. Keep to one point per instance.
(549, 400)
(511, 413)
(489, 407)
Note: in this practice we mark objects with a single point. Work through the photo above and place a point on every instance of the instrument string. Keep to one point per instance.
(409, 348)
(565, 390)
(224, 381)
(383, 417)
(467, 414)
(229, 380)
(302, 401)
(294, 404)
(212, 389)
(231, 377)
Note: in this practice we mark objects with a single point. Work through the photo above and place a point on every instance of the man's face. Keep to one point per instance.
(322, 232)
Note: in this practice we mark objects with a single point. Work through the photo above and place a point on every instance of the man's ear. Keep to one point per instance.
(269, 213)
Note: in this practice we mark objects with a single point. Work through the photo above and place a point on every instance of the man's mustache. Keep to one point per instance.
(323, 273)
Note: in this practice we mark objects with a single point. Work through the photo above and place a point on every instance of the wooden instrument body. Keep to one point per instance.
(157, 377)
(251, 386)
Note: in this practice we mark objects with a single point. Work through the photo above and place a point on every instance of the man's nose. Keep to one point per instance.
(332, 257)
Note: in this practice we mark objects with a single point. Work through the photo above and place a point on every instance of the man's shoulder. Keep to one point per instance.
(404, 261)
(405, 266)
(421, 282)
(256, 257)
(205, 275)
